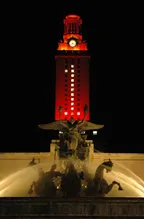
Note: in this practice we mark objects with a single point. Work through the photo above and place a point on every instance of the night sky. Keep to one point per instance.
(33, 33)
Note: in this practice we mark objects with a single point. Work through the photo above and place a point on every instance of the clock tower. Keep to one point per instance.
(72, 71)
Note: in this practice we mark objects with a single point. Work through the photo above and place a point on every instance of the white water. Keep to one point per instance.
(18, 184)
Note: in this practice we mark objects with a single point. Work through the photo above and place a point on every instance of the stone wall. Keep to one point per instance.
(65, 208)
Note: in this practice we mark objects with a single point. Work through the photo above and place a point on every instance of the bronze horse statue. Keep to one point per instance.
(69, 185)
(98, 186)
(45, 185)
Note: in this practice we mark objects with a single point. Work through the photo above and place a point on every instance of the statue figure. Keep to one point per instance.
(72, 129)
(71, 181)
(38, 186)
(45, 185)
(32, 162)
(83, 148)
(99, 186)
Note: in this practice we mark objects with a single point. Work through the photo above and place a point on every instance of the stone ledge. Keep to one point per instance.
(78, 207)
(44, 155)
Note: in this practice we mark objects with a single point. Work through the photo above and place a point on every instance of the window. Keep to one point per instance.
(72, 104)
(72, 85)
(94, 132)
(72, 108)
(72, 75)
(72, 99)
(72, 66)
(72, 89)
(66, 70)
(72, 80)
(72, 94)
(72, 70)
(65, 113)
(78, 113)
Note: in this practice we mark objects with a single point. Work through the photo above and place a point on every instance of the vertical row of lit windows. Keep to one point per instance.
(72, 85)
(66, 75)
(72, 88)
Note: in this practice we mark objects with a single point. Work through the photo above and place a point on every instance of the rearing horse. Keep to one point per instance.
(100, 186)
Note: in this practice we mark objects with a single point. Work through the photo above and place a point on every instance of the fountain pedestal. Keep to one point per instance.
(55, 153)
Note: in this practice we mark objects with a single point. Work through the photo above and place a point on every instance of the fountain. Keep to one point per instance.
(18, 184)
(74, 184)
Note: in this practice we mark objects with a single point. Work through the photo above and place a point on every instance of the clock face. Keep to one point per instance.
(72, 43)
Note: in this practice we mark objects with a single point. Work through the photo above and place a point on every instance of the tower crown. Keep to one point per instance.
(72, 37)
(72, 24)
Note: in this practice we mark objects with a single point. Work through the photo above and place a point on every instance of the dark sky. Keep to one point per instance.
(32, 35)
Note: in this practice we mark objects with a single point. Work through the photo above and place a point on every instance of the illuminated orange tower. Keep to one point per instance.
(72, 71)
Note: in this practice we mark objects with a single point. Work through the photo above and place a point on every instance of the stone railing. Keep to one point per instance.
(65, 208)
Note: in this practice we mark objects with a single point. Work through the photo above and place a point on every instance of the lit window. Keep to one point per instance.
(72, 75)
(72, 99)
(78, 113)
(72, 80)
(72, 114)
(72, 70)
(72, 108)
(72, 94)
(72, 104)
(94, 132)
(72, 66)
(72, 85)
(66, 70)
(72, 89)
(65, 113)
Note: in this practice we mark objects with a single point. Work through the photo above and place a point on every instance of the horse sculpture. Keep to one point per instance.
(70, 183)
(45, 185)
(98, 186)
